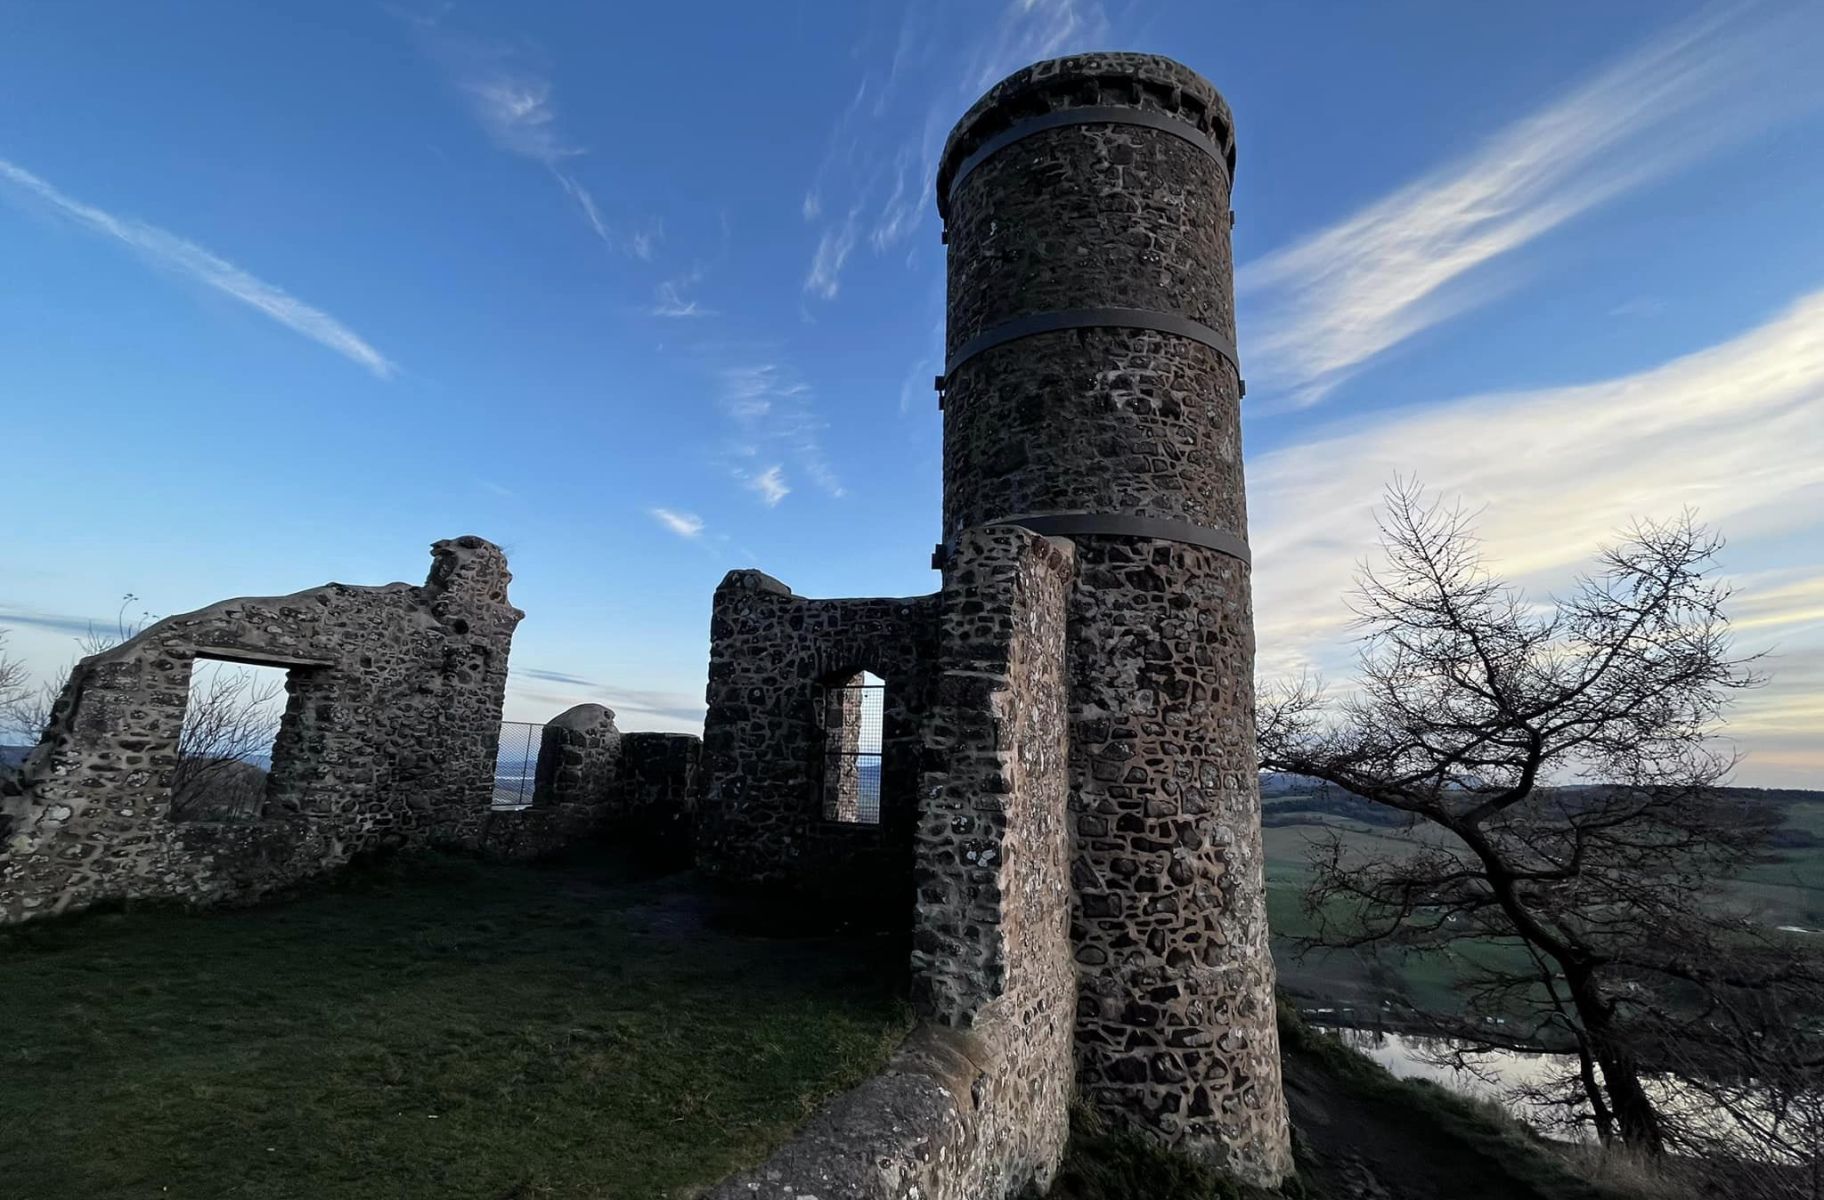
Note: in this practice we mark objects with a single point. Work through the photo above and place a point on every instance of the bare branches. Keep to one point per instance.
(1562, 759)
(231, 720)
(16, 693)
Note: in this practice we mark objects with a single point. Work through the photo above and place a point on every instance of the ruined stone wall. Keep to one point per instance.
(658, 795)
(388, 738)
(594, 784)
(579, 755)
(974, 1106)
(1092, 391)
(772, 656)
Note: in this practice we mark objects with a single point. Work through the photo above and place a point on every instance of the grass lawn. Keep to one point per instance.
(429, 1028)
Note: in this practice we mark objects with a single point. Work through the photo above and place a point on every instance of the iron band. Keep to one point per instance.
(1090, 318)
(1085, 116)
(1086, 524)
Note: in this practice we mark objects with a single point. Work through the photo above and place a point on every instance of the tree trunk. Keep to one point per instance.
(1635, 1118)
(1592, 1092)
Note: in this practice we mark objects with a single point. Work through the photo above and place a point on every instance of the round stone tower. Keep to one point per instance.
(1091, 391)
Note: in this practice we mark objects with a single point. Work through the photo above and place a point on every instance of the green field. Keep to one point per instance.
(434, 1029)
(1788, 890)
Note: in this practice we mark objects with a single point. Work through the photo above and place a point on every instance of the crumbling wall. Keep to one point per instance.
(973, 1106)
(579, 752)
(658, 785)
(388, 738)
(593, 783)
(772, 657)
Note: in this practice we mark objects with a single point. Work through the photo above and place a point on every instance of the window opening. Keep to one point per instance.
(854, 719)
(224, 752)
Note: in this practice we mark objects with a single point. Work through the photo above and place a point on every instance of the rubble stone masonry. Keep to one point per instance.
(1092, 392)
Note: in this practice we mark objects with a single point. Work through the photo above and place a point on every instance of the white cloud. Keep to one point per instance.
(1731, 431)
(685, 525)
(514, 104)
(1321, 308)
(770, 408)
(833, 249)
(880, 175)
(670, 300)
(645, 242)
(771, 485)
(516, 110)
(186, 257)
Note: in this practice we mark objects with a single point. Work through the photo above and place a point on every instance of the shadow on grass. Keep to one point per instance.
(430, 1026)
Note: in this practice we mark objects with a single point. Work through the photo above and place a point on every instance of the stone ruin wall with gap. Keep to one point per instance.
(772, 655)
(975, 1103)
(595, 783)
(388, 740)
(393, 707)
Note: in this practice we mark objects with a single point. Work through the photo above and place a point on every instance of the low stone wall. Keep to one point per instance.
(388, 738)
(579, 753)
(772, 655)
(593, 783)
(974, 1105)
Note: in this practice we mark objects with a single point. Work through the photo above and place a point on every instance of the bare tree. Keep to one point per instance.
(1559, 771)
(15, 690)
(231, 720)
(25, 710)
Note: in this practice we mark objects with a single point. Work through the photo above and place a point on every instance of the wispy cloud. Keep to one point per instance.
(514, 102)
(669, 299)
(1320, 309)
(1731, 431)
(633, 707)
(191, 260)
(516, 110)
(880, 160)
(54, 622)
(770, 485)
(770, 407)
(553, 677)
(833, 249)
(644, 243)
(685, 525)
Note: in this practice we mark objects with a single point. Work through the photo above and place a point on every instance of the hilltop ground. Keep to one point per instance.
(437, 1028)
(441, 1027)
(445, 1028)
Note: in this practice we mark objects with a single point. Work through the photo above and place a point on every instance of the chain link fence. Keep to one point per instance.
(516, 763)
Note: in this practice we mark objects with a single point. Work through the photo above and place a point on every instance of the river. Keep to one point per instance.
(1504, 1076)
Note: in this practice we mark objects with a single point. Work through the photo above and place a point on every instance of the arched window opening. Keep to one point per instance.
(853, 720)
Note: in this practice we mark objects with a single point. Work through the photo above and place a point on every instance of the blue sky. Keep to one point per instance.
(648, 292)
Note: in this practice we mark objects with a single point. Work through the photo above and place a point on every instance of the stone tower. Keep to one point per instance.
(1091, 391)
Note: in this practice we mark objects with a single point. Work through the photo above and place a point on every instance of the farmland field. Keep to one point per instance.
(1786, 890)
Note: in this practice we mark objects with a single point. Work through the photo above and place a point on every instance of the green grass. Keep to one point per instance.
(1510, 1149)
(1346, 978)
(439, 1028)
